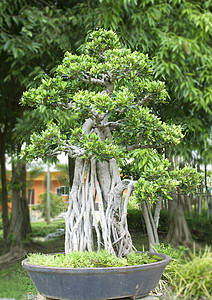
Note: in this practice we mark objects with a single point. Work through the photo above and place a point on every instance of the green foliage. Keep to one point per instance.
(177, 254)
(56, 204)
(135, 219)
(155, 183)
(79, 85)
(189, 275)
(177, 36)
(159, 181)
(201, 228)
(40, 28)
(41, 229)
(91, 259)
(141, 161)
(155, 177)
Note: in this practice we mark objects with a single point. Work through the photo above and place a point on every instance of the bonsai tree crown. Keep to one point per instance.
(114, 89)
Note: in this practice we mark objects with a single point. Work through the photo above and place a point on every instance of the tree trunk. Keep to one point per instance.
(4, 194)
(110, 221)
(48, 205)
(71, 166)
(157, 212)
(16, 254)
(20, 220)
(150, 226)
(100, 179)
(178, 233)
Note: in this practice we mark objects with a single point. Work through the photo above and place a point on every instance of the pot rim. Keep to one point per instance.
(40, 268)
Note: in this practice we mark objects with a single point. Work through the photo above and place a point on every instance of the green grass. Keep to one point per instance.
(189, 274)
(41, 229)
(15, 283)
(14, 280)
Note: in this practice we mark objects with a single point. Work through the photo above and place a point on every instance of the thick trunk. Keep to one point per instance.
(178, 233)
(4, 195)
(20, 221)
(87, 229)
(110, 221)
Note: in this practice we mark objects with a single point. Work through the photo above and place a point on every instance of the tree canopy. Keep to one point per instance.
(108, 91)
(105, 67)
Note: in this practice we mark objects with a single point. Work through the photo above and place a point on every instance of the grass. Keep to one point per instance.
(14, 280)
(41, 229)
(15, 283)
(191, 275)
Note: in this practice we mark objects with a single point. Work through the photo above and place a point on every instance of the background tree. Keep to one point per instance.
(108, 91)
(34, 35)
(34, 170)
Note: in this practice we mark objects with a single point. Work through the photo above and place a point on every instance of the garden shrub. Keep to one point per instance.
(56, 204)
(135, 219)
(41, 229)
(163, 221)
(193, 277)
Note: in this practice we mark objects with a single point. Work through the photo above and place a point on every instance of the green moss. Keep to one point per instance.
(91, 259)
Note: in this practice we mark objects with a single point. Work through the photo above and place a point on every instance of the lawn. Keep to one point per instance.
(15, 283)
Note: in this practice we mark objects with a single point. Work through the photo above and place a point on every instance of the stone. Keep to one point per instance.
(53, 235)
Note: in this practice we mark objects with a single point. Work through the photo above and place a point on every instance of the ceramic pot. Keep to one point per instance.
(97, 283)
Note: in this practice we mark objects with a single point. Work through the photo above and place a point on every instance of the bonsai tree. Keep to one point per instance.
(109, 94)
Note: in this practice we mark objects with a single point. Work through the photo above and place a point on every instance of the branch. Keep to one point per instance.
(123, 185)
(146, 99)
(111, 124)
(92, 80)
(99, 117)
(69, 105)
(74, 151)
(87, 126)
(139, 146)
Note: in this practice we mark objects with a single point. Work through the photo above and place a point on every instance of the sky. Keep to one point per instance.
(62, 159)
